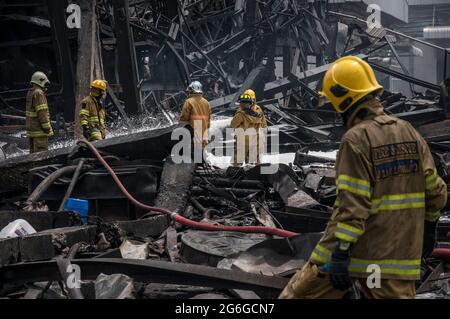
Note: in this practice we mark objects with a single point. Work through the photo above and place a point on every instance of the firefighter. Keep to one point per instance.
(92, 113)
(197, 112)
(257, 108)
(389, 198)
(38, 124)
(247, 122)
(263, 127)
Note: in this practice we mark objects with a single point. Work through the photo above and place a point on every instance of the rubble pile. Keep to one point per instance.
(142, 254)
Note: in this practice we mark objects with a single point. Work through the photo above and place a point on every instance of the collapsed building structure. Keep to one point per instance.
(149, 51)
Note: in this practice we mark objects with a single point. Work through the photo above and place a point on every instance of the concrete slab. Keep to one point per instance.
(39, 220)
(36, 247)
(9, 251)
(69, 236)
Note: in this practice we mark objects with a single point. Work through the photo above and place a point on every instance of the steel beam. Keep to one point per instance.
(146, 271)
(283, 84)
(404, 77)
(126, 50)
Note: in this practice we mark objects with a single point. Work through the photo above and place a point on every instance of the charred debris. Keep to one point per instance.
(281, 49)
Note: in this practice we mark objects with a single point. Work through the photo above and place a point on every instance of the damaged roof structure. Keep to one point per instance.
(149, 51)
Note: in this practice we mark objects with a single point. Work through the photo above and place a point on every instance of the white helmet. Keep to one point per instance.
(195, 87)
(39, 78)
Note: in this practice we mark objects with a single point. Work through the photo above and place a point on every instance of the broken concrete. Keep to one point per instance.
(175, 179)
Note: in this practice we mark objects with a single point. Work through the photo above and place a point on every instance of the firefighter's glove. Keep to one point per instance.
(87, 132)
(429, 238)
(338, 270)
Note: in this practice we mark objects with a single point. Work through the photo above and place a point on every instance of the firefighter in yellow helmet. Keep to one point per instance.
(92, 113)
(197, 112)
(247, 123)
(389, 198)
(262, 130)
(38, 124)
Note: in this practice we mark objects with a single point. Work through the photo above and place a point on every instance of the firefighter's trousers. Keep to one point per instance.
(311, 283)
(38, 144)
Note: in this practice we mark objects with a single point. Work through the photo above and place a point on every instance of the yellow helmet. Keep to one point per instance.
(245, 99)
(99, 84)
(251, 93)
(347, 81)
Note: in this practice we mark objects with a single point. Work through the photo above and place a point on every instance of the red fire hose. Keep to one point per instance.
(441, 253)
(180, 219)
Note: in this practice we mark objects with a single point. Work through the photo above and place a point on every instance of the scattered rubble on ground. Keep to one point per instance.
(132, 250)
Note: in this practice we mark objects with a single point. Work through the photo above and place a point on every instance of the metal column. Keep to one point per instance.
(446, 53)
(127, 55)
(57, 11)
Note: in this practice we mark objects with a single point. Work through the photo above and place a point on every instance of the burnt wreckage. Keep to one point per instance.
(149, 51)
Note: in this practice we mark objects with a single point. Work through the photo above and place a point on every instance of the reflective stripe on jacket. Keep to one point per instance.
(387, 186)
(93, 116)
(37, 114)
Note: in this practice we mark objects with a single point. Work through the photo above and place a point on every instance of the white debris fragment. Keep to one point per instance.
(133, 250)
(17, 228)
(115, 286)
(330, 155)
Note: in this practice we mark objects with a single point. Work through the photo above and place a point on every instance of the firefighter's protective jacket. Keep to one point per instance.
(92, 115)
(387, 186)
(247, 123)
(246, 118)
(197, 112)
(37, 114)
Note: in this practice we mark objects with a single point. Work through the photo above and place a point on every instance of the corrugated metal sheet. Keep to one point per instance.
(436, 32)
(426, 2)
(398, 9)
(421, 16)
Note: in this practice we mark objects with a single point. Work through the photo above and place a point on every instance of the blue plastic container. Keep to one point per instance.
(78, 205)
